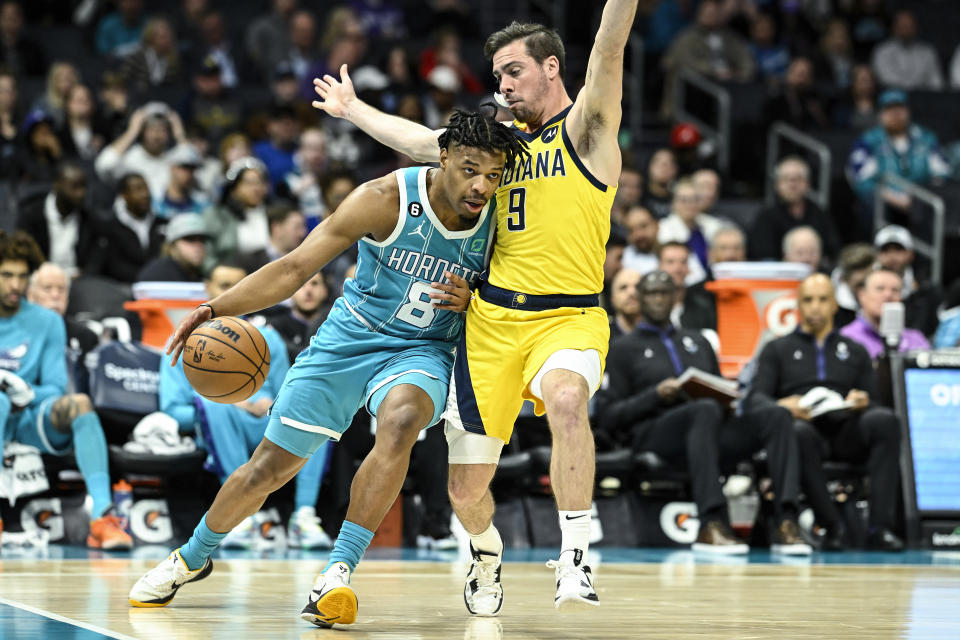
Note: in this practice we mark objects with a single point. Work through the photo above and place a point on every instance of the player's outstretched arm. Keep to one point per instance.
(340, 100)
(594, 120)
(371, 209)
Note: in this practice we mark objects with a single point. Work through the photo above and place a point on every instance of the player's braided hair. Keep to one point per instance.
(482, 131)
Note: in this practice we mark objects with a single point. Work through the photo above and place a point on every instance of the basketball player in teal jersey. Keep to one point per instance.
(387, 345)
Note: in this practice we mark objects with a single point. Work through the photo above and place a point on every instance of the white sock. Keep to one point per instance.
(575, 534)
(488, 541)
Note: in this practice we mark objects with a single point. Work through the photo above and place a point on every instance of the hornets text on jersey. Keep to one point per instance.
(390, 291)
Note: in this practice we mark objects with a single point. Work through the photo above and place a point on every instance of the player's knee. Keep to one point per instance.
(66, 409)
(567, 401)
(263, 474)
(399, 425)
(465, 488)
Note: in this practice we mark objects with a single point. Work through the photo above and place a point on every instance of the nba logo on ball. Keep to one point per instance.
(226, 360)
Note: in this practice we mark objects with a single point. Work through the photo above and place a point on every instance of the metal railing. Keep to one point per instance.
(718, 131)
(634, 80)
(820, 193)
(932, 250)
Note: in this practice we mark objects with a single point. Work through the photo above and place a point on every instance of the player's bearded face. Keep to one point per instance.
(13, 283)
(530, 92)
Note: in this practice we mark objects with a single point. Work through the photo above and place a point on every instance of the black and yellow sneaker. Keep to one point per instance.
(332, 600)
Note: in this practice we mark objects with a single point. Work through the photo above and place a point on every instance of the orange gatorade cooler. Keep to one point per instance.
(753, 297)
(161, 306)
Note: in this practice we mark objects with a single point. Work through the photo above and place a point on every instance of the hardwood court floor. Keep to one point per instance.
(673, 597)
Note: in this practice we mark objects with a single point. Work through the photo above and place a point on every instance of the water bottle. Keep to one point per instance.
(123, 501)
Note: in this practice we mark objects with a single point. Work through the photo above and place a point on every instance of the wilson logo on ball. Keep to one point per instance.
(226, 331)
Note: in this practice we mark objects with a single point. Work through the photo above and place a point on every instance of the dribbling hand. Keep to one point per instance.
(336, 94)
(457, 296)
(193, 320)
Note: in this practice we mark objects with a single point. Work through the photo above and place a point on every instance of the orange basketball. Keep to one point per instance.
(226, 359)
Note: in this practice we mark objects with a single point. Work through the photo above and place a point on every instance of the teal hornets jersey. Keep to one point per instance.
(390, 291)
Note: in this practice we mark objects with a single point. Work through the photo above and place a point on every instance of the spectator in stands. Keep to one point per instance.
(857, 108)
(217, 46)
(35, 408)
(287, 230)
(302, 52)
(948, 331)
(625, 303)
(798, 102)
(268, 37)
(802, 244)
(446, 52)
(688, 224)
(770, 56)
(689, 148)
(629, 192)
(728, 245)
(153, 124)
(60, 223)
(817, 356)
(50, 288)
(658, 187)
(612, 263)
(642, 405)
(187, 24)
(133, 235)
(298, 322)
(903, 61)
(708, 48)
(335, 185)
(39, 151)
(60, 80)
(894, 246)
(9, 123)
(240, 219)
(834, 60)
(792, 209)
(182, 194)
(896, 146)
(855, 263)
(183, 254)
(156, 62)
(114, 105)
(210, 105)
(706, 182)
(381, 19)
(118, 33)
(640, 253)
(277, 151)
(302, 184)
(80, 136)
(441, 98)
(231, 431)
(881, 286)
(19, 56)
(695, 307)
(870, 23)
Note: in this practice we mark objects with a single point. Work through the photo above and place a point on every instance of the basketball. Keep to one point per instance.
(226, 360)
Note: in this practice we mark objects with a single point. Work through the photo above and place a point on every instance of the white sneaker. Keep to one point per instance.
(243, 536)
(574, 581)
(304, 532)
(445, 543)
(332, 600)
(158, 586)
(271, 535)
(482, 592)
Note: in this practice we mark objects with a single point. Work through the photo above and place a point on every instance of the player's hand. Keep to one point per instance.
(337, 95)
(17, 389)
(669, 389)
(453, 295)
(193, 320)
(858, 399)
(257, 409)
(792, 404)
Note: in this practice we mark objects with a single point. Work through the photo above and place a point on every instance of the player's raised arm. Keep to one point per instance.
(340, 100)
(594, 121)
(371, 209)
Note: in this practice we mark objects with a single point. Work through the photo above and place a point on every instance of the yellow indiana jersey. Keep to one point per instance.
(553, 219)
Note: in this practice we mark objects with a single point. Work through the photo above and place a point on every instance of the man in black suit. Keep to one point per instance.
(642, 405)
(63, 228)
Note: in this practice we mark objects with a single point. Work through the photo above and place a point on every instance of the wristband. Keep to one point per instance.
(213, 314)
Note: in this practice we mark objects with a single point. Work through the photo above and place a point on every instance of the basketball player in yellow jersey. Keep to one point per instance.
(535, 329)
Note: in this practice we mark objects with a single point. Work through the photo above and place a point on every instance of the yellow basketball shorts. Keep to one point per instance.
(501, 351)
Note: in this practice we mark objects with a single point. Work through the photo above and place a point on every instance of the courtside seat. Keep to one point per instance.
(514, 466)
(123, 462)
